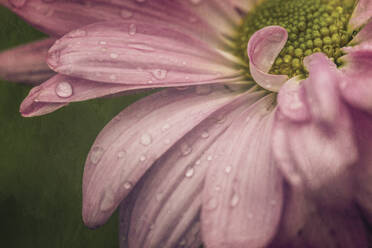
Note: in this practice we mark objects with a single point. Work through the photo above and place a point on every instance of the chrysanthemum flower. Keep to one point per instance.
(262, 137)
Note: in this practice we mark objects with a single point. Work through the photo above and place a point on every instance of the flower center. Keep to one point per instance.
(312, 26)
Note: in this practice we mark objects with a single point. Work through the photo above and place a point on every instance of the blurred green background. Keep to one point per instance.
(41, 162)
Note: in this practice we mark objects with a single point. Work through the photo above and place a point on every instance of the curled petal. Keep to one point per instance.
(361, 15)
(127, 53)
(263, 48)
(169, 204)
(242, 184)
(128, 146)
(319, 152)
(292, 101)
(356, 86)
(26, 64)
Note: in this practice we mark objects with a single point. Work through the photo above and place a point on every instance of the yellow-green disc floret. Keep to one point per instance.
(312, 26)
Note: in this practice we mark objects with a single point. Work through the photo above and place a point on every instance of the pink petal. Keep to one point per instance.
(170, 199)
(263, 48)
(317, 153)
(364, 35)
(242, 196)
(308, 223)
(363, 171)
(292, 101)
(221, 14)
(59, 17)
(26, 64)
(128, 53)
(361, 15)
(356, 86)
(135, 139)
(31, 107)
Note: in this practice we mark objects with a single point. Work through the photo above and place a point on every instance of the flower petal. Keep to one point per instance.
(243, 188)
(244, 5)
(356, 86)
(363, 171)
(170, 200)
(364, 35)
(124, 53)
(135, 139)
(292, 101)
(57, 18)
(361, 15)
(318, 153)
(307, 223)
(26, 64)
(263, 48)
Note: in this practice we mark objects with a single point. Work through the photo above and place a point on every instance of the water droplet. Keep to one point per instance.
(128, 185)
(77, 33)
(185, 149)
(107, 200)
(209, 158)
(102, 42)
(159, 74)
(198, 162)
(96, 154)
(132, 29)
(221, 118)
(114, 55)
(189, 172)
(228, 169)
(211, 204)
(126, 14)
(63, 89)
(18, 3)
(234, 200)
(205, 135)
(146, 139)
(142, 158)
(203, 89)
(165, 127)
(182, 88)
(141, 47)
(121, 154)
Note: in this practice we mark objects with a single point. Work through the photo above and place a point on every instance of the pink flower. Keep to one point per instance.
(219, 158)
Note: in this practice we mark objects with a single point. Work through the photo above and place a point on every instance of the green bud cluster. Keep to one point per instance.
(312, 26)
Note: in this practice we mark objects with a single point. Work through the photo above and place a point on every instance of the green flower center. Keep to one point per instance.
(312, 26)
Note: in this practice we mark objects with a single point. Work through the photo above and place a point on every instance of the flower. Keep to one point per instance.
(219, 158)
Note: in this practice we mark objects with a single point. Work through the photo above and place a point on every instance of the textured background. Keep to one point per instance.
(41, 162)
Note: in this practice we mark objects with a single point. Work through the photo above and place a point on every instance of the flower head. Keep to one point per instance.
(261, 138)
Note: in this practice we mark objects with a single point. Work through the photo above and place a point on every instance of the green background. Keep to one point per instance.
(42, 161)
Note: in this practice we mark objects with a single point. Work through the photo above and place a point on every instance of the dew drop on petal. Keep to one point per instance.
(132, 29)
(121, 154)
(209, 158)
(189, 172)
(198, 162)
(141, 47)
(165, 127)
(107, 201)
(234, 200)
(146, 139)
(102, 42)
(159, 74)
(185, 149)
(142, 158)
(128, 185)
(211, 204)
(77, 33)
(205, 135)
(114, 55)
(228, 169)
(126, 14)
(96, 154)
(63, 89)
